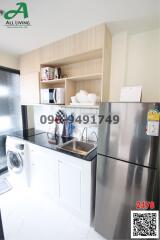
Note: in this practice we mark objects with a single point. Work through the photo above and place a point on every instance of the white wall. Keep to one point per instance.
(135, 61)
(118, 64)
(10, 61)
(47, 110)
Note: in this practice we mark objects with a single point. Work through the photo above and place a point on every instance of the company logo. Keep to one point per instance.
(16, 18)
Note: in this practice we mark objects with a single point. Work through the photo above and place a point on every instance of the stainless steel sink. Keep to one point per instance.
(79, 147)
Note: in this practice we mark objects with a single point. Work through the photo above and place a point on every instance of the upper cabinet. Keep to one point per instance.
(71, 46)
(29, 88)
(84, 59)
(30, 62)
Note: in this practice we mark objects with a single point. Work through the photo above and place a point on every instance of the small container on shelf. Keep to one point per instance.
(50, 73)
(57, 73)
(47, 73)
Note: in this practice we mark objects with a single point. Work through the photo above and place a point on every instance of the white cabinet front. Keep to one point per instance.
(44, 177)
(29, 88)
(70, 185)
(64, 178)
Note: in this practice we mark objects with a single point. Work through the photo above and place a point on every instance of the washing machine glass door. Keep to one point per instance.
(15, 162)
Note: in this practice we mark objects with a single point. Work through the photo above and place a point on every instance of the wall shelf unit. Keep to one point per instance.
(83, 75)
(84, 59)
(56, 83)
(86, 77)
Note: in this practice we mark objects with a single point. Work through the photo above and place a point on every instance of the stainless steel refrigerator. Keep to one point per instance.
(127, 167)
(10, 108)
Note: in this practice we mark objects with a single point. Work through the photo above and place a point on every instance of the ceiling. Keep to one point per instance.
(55, 19)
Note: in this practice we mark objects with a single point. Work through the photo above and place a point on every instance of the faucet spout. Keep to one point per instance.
(82, 137)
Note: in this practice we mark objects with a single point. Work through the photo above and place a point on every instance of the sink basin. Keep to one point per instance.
(79, 147)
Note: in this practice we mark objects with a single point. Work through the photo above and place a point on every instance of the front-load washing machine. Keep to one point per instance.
(18, 162)
(13, 203)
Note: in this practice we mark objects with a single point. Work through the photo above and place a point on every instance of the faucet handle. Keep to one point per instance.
(95, 135)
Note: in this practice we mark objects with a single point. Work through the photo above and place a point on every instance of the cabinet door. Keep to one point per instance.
(70, 185)
(30, 88)
(44, 174)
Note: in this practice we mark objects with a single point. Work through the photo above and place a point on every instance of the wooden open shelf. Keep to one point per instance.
(61, 80)
(90, 82)
(73, 87)
(85, 74)
(94, 76)
(55, 83)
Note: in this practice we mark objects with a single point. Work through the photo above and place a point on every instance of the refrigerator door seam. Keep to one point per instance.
(126, 161)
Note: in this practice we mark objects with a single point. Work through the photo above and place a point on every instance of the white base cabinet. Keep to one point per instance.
(44, 171)
(68, 180)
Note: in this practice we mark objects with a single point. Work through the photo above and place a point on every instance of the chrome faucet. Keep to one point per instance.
(82, 137)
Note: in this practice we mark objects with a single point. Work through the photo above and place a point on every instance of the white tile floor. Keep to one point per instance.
(29, 217)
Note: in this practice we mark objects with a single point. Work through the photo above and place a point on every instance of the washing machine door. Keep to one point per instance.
(14, 162)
